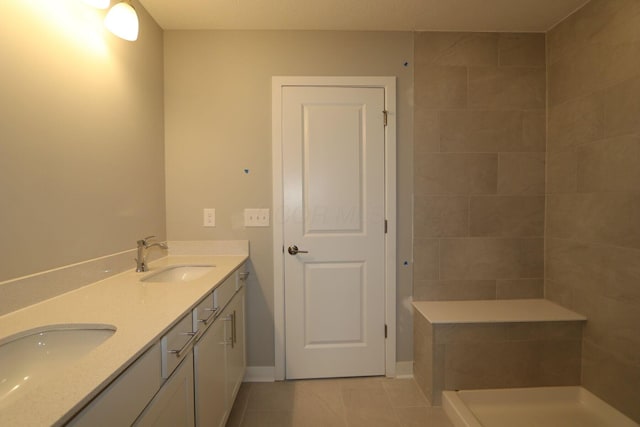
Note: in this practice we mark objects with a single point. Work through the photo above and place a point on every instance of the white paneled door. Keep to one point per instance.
(333, 146)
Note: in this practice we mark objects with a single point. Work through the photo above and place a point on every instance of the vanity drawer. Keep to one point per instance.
(243, 276)
(204, 313)
(176, 343)
(225, 291)
(129, 393)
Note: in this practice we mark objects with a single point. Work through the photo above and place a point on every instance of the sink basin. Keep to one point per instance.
(179, 273)
(30, 356)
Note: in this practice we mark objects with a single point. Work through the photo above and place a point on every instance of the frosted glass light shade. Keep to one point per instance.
(99, 4)
(122, 20)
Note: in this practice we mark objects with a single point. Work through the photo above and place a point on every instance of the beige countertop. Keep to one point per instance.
(141, 311)
(495, 311)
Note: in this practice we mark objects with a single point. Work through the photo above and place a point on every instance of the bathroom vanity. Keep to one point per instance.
(177, 356)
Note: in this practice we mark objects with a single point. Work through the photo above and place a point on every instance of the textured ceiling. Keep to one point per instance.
(362, 15)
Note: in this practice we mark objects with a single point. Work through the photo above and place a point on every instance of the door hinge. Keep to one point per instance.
(385, 331)
(386, 228)
(385, 115)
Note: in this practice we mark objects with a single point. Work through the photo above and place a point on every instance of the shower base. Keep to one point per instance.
(531, 407)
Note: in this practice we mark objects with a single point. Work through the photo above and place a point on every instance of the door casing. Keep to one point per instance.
(389, 86)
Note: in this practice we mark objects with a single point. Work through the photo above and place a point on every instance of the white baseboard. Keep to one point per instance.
(404, 369)
(266, 374)
(260, 374)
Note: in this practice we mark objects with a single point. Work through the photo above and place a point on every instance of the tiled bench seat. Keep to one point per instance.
(494, 344)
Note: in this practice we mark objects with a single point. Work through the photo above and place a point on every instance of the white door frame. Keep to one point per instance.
(389, 86)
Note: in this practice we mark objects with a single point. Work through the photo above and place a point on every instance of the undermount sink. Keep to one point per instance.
(179, 273)
(30, 356)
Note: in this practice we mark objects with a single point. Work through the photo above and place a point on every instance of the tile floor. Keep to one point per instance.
(346, 402)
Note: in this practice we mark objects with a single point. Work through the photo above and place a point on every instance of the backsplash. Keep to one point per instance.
(28, 290)
(25, 291)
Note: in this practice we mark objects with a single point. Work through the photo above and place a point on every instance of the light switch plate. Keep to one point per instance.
(256, 217)
(209, 217)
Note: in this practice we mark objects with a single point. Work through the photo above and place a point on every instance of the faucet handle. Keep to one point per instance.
(145, 240)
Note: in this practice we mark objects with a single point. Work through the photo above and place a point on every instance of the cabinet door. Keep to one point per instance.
(173, 405)
(210, 378)
(236, 353)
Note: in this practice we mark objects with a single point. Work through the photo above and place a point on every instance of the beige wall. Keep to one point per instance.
(593, 186)
(479, 127)
(81, 128)
(218, 122)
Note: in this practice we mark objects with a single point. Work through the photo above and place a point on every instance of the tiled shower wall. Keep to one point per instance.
(479, 161)
(593, 185)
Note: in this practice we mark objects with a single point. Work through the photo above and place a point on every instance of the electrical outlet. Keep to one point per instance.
(209, 217)
(256, 217)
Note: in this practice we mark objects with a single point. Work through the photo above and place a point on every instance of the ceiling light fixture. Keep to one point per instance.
(99, 4)
(122, 21)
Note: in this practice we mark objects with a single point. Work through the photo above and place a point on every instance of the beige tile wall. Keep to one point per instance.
(479, 164)
(476, 356)
(593, 184)
(423, 355)
(494, 355)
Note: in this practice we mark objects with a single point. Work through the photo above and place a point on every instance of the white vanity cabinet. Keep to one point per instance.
(190, 377)
(173, 405)
(236, 362)
(219, 355)
(140, 397)
(210, 376)
(128, 394)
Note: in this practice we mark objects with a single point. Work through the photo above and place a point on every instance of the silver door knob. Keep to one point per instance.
(293, 250)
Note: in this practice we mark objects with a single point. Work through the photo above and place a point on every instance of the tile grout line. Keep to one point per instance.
(395, 413)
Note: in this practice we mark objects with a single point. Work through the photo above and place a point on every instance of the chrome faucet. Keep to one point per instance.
(143, 245)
